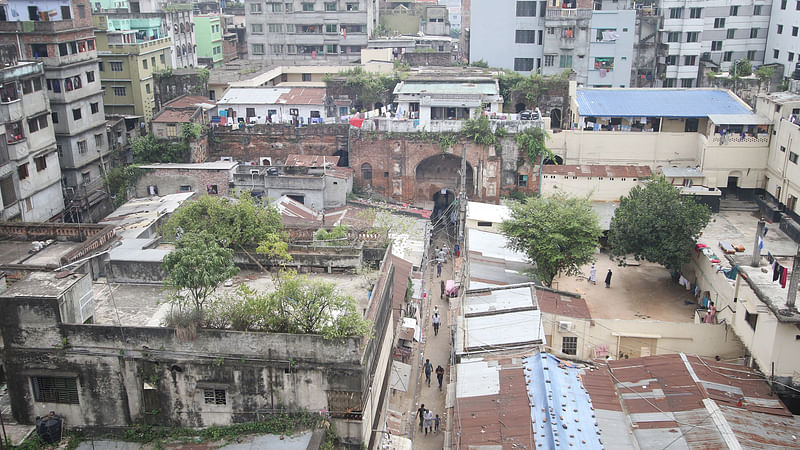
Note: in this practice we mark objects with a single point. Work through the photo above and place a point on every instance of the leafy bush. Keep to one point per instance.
(479, 130)
(336, 236)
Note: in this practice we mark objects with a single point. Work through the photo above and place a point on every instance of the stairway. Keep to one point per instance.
(737, 205)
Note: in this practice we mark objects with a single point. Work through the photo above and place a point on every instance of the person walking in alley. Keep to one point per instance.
(438, 269)
(436, 424)
(441, 284)
(436, 322)
(593, 274)
(440, 375)
(428, 369)
(421, 415)
(428, 421)
(608, 279)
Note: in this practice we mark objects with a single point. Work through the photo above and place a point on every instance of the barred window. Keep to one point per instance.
(214, 396)
(569, 345)
(55, 390)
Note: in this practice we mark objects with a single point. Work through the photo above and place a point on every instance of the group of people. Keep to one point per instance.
(427, 420)
(439, 373)
(441, 258)
(593, 276)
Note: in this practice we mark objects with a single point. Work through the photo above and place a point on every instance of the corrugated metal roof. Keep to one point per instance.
(447, 87)
(597, 170)
(252, 96)
(503, 329)
(495, 300)
(562, 305)
(739, 119)
(657, 103)
(487, 212)
(682, 172)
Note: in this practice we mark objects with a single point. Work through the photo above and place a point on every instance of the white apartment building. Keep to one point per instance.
(309, 29)
(611, 36)
(783, 38)
(515, 46)
(711, 33)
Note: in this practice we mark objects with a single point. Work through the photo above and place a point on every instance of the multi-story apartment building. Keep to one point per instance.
(612, 33)
(567, 37)
(711, 33)
(309, 30)
(65, 44)
(518, 45)
(783, 37)
(208, 35)
(29, 172)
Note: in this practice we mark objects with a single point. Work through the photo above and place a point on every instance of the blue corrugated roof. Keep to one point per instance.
(657, 103)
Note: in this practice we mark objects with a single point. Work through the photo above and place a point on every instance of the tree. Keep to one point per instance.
(148, 149)
(657, 224)
(479, 130)
(558, 234)
(336, 236)
(238, 223)
(742, 68)
(764, 74)
(532, 142)
(195, 269)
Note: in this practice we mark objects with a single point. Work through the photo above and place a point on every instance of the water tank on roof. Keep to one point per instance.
(49, 428)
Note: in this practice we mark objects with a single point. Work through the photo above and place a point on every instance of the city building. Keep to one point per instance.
(30, 176)
(303, 31)
(567, 38)
(526, 19)
(431, 100)
(185, 109)
(782, 178)
(611, 40)
(212, 178)
(711, 35)
(208, 35)
(274, 105)
(317, 188)
(76, 100)
(783, 37)
(128, 60)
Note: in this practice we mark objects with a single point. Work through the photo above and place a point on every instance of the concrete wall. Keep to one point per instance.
(170, 181)
(621, 49)
(496, 44)
(278, 142)
(603, 189)
(281, 111)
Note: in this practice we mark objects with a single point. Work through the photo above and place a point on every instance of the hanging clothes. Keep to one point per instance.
(776, 271)
(683, 282)
(784, 275)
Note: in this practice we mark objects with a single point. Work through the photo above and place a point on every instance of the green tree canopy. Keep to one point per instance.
(558, 234)
(148, 149)
(657, 224)
(298, 305)
(195, 269)
(532, 142)
(237, 223)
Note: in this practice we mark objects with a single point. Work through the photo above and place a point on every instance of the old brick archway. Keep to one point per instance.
(438, 172)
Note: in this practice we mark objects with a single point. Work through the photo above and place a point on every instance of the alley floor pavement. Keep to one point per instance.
(433, 347)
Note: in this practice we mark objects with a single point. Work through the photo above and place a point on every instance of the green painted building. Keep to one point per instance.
(208, 37)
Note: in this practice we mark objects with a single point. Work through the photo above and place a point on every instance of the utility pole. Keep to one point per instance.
(462, 194)
(793, 281)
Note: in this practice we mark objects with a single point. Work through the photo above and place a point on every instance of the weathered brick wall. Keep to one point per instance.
(428, 58)
(277, 141)
(169, 181)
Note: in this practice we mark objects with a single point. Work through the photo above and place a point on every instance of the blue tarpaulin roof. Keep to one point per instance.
(657, 103)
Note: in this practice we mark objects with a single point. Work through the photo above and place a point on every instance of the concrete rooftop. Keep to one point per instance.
(16, 252)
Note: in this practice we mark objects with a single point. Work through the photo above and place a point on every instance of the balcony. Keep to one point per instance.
(139, 47)
(12, 110)
(38, 26)
(573, 13)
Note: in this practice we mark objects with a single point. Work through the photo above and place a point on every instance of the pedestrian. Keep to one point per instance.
(440, 375)
(443, 256)
(436, 321)
(428, 369)
(428, 421)
(712, 311)
(438, 269)
(421, 415)
(593, 274)
(441, 293)
(436, 309)
(436, 424)
(446, 249)
(608, 279)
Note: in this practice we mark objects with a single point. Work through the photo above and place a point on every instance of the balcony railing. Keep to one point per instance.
(569, 12)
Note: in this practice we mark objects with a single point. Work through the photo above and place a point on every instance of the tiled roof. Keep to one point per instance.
(589, 170)
(189, 101)
(658, 102)
(174, 116)
(562, 305)
(303, 96)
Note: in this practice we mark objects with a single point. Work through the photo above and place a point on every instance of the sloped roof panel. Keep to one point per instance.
(658, 103)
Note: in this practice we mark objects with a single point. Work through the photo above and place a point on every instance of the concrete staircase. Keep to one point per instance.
(737, 205)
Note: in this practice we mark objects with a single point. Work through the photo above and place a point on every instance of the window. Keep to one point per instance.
(716, 46)
(670, 82)
(82, 146)
(727, 56)
(783, 149)
(95, 107)
(674, 36)
(162, 58)
(306, 77)
(275, 28)
(675, 13)
(797, 6)
(694, 13)
(569, 345)
(672, 60)
(291, 49)
(39, 50)
(775, 53)
(352, 7)
(172, 130)
(331, 28)
(686, 82)
(780, 29)
(790, 56)
(37, 123)
(22, 171)
(794, 31)
(731, 33)
(604, 63)
(690, 60)
(153, 62)
(330, 6)
(290, 28)
(549, 60)
(309, 7)
(331, 49)
(525, 37)
(119, 91)
(757, 10)
(54, 117)
(276, 49)
(565, 61)
(37, 84)
(526, 9)
(719, 22)
(793, 157)
(288, 7)
(214, 396)
(522, 181)
(692, 36)
(98, 140)
(41, 163)
(257, 28)
(76, 113)
(116, 66)
(55, 390)
(257, 49)
(783, 4)
(523, 64)
(734, 11)
(144, 64)
(86, 177)
(751, 55)
(185, 188)
(90, 76)
(751, 319)
(255, 8)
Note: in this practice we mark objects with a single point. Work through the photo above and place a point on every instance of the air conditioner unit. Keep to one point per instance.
(226, 158)
(564, 325)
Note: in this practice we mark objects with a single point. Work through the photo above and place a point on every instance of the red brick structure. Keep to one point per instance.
(163, 179)
(278, 141)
